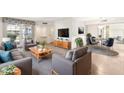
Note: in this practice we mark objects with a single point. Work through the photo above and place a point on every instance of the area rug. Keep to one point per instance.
(44, 66)
(103, 51)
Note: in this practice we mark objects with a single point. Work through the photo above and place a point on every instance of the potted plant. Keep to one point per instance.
(12, 36)
(79, 42)
(8, 70)
(88, 35)
(42, 44)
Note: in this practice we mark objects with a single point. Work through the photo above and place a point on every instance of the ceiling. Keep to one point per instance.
(58, 18)
(84, 19)
(37, 19)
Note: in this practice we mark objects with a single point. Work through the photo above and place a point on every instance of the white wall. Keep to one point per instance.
(44, 30)
(63, 24)
(71, 24)
(73, 30)
(75, 26)
(116, 30)
(1, 29)
(93, 29)
(116, 26)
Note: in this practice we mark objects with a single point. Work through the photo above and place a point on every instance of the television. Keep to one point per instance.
(64, 32)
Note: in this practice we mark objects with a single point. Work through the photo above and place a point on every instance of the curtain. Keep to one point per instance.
(17, 21)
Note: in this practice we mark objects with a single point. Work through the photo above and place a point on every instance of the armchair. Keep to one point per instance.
(91, 40)
(78, 64)
(109, 42)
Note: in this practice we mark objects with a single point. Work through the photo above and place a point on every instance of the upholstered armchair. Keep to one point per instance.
(109, 42)
(76, 62)
(91, 40)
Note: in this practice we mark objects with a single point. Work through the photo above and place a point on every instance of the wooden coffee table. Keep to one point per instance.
(40, 53)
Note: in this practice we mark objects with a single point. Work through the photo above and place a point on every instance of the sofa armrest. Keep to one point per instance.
(24, 64)
(82, 65)
(61, 65)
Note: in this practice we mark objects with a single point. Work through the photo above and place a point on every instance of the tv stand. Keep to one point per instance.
(62, 43)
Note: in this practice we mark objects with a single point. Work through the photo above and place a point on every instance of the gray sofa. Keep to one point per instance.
(29, 44)
(24, 62)
(78, 63)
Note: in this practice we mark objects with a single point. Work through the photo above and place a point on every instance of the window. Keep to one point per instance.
(19, 31)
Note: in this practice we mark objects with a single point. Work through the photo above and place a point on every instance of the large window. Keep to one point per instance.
(18, 29)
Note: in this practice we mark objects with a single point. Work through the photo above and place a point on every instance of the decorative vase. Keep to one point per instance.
(40, 49)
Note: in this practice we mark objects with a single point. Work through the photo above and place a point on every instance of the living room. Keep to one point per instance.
(61, 46)
(59, 36)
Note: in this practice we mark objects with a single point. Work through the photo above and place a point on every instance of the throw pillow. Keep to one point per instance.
(79, 52)
(16, 55)
(69, 55)
(8, 46)
(5, 56)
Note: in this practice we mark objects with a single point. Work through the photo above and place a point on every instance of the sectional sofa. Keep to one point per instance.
(19, 59)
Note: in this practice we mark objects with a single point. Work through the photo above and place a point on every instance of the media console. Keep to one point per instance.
(62, 44)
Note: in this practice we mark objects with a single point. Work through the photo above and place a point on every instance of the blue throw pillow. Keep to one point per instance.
(8, 46)
(5, 56)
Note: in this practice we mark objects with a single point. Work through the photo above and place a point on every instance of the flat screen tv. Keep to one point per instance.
(64, 32)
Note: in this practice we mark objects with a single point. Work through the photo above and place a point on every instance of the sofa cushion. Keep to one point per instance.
(78, 52)
(5, 56)
(16, 55)
(69, 54)
(14, 45)
(8, 46)
(28, 41)
(31, 44)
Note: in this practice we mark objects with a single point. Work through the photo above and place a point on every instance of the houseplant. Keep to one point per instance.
(42, 44)
(12, 36)
(8, 70)
(79, 42)
(88, 35)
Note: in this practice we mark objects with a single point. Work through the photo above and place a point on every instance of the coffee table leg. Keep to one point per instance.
(38, 59)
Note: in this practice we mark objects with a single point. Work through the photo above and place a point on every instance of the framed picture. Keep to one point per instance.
(80, 30)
